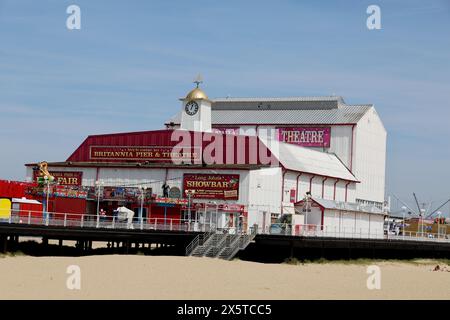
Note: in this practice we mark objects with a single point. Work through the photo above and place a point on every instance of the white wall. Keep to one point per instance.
(264, 194)
(352, 222)
(304, 186)
(369, 154)
(351, 192)
(340, 144)
(369, 163)
(290, 183)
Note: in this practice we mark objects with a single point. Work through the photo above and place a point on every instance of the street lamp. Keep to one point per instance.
(439, 223)
(404, 221)
(189, 194)
(98, 184)
(141, 212)
(422, 212)
(47, 181)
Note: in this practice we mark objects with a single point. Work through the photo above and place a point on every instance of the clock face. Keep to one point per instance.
(191, 108)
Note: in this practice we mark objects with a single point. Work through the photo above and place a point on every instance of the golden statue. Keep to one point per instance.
(43, 172)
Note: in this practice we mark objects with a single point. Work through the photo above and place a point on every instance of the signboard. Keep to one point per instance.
(129, 194)
(212, 186)
(5, 208)
(175, 192)
(306, 136)
(64, 178)
(59, 191)
(228, 207)
(151, 153)
(234, 131)
(68, 192)
(172, 201)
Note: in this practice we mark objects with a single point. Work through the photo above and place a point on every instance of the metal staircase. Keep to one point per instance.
(220, 245)
(197, 246)
(237, 243)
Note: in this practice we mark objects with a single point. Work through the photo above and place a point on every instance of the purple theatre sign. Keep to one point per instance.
(305, 136)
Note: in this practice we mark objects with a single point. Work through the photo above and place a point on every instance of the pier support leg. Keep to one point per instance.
(45, 241)
(60, 243)
(3, 244)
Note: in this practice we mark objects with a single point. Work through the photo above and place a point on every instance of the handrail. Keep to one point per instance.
(357, 233)
(69, 220)
(199, 240)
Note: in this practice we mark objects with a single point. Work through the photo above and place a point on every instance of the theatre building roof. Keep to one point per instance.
(161, 148)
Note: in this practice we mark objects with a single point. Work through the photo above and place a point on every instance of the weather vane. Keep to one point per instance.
(198, 79)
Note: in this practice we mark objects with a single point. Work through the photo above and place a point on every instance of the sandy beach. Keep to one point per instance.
(166, 277)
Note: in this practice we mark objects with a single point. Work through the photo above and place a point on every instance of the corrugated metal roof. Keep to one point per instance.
(291, 156)
(346, 206)
(348, 114)
(306, 160)
(284, 99)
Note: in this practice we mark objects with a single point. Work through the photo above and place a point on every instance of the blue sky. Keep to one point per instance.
(131, 61)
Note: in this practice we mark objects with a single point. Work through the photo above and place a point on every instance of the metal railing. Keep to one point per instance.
(237, 243)
(351, 233)
(104, 222)
(199, 240)
(113, 222)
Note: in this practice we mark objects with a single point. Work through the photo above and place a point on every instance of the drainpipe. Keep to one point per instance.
(323, 215)
(282, 189)
(310, 183)
(351, 148)
(346, 189)
(323, 186)
(165, 181)
(296, 191)
(334, 192)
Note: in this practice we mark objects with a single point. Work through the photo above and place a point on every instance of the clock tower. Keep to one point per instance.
(196, 111)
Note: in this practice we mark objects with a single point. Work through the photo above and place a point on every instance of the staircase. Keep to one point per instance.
(220, 245)
(237, 243)
(198, 246)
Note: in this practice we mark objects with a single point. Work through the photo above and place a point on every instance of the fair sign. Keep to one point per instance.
(305, 136)
(65, 178)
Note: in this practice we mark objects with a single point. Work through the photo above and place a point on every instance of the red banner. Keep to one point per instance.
(306, 136)
(228, 207)
(170, 200)
(212, 186)
(64, 178)
(292, 198)
(114, 153)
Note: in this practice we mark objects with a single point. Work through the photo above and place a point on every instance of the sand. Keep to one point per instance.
(161, 277)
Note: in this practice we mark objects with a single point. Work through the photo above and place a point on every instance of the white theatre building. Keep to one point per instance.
(319, 146)
(354, 133)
